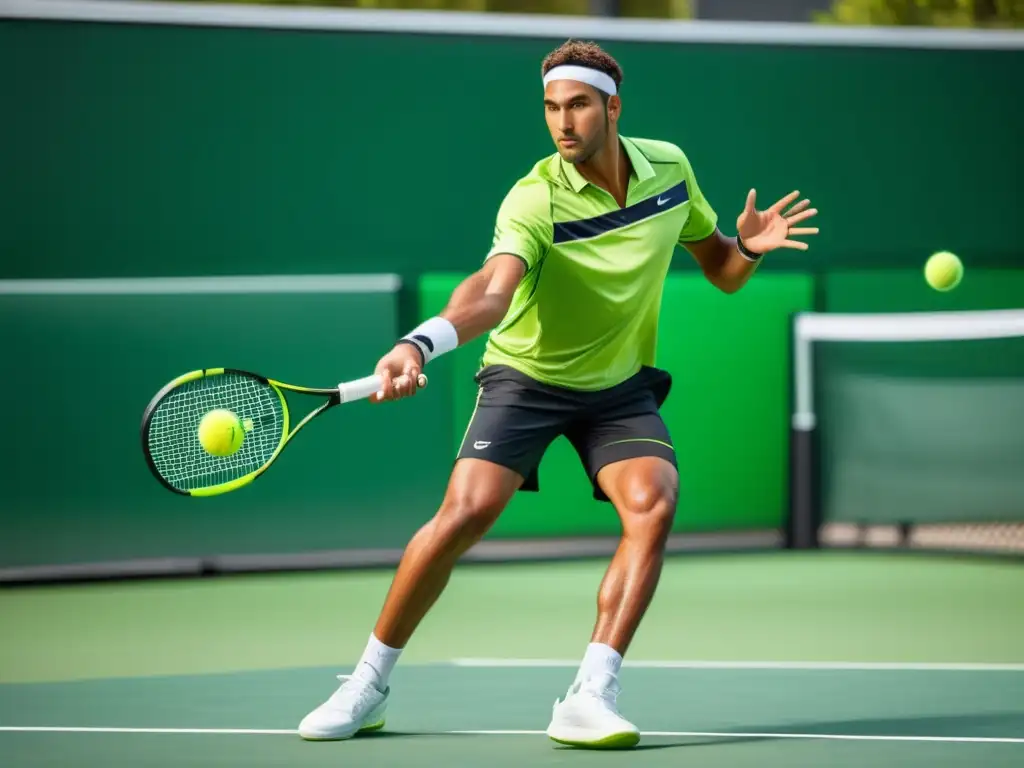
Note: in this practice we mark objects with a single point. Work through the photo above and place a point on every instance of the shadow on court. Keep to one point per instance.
(658, 743)
(662, 743)
(995, 724)
(668, 743)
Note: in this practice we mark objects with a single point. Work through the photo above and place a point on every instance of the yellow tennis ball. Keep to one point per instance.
(221, 433)
(943, 271)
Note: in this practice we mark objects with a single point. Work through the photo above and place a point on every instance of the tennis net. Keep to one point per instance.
(908, 431)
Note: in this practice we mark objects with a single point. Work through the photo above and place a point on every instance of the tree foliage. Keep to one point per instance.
(655, 9)
(931, 13)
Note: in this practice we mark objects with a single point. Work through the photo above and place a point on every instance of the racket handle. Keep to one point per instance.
(360, 389)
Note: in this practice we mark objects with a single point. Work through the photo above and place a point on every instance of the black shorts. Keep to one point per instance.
(517, 418)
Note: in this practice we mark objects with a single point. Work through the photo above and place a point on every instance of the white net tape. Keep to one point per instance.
(174, 437)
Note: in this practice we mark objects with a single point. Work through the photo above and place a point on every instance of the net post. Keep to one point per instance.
(802, 521)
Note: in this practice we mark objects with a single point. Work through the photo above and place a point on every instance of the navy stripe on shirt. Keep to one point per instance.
(568, 231)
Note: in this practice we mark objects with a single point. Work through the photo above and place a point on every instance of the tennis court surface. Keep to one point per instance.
(778, 659)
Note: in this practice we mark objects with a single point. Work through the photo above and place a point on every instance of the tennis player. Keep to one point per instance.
(569, 293)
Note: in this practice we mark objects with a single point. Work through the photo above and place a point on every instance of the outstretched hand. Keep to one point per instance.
(763, 231)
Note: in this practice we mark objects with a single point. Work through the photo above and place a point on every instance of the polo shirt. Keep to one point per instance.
(585, 314)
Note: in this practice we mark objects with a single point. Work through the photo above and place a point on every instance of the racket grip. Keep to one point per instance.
(360, 389)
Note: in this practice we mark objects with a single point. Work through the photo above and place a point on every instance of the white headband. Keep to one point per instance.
(594, 77)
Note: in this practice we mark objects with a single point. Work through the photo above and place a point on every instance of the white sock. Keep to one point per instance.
(600, 659)
(377, 662)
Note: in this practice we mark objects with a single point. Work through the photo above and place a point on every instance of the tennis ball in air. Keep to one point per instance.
(221, 433)
(943, 271)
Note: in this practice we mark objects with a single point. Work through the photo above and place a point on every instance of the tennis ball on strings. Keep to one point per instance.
(221, 433)
(943, 271)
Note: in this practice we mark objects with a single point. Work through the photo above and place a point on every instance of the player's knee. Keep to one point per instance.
(649, 507)
(467, 515)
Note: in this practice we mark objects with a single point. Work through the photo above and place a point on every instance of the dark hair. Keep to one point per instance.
(583, 54)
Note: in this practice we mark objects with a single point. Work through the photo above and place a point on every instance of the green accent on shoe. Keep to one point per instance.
(365, 729)
(615, 741)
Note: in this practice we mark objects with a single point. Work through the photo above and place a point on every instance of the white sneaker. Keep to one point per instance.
(588, 716)
(356, 706)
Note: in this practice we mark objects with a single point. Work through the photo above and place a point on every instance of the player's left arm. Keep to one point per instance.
(728, 262)
(721, 261)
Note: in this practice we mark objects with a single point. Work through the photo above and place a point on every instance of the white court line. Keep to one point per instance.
(71, 729)
(730, 734)
(894, 666)
(687, 734)
(826, 736)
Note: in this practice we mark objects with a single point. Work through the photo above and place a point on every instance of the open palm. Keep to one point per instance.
(763, 231)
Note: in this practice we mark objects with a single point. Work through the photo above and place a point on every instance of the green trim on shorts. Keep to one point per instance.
(639, 440)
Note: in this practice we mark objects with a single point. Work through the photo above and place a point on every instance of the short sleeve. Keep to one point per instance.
(523, 227)
(702, 220)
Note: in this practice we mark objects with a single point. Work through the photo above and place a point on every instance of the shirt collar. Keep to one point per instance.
(641, 166)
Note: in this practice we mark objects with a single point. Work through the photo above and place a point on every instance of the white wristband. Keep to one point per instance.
(433, 337)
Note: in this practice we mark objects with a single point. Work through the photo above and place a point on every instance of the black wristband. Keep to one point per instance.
(748, 253)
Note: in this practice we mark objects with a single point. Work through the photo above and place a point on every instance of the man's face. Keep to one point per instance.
(577, 118)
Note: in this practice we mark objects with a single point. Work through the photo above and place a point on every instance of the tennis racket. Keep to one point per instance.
(170, 426)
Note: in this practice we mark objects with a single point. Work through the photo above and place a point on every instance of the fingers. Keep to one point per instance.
(776, 225)
(785, 201)
(801, 216)
(400, 374)
(798, 207)
(406, 384)
(795, 215)
(386, 390)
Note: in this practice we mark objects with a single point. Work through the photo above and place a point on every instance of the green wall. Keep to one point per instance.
(142, 150)
(78, 370)
(77, 489)
(727, 414)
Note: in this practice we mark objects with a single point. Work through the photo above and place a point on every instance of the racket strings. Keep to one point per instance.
(174, 430)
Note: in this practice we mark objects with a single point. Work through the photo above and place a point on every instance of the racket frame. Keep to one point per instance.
(352, 391)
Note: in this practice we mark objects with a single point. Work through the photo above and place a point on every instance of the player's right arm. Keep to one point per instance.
(476, 306)
(479, 303)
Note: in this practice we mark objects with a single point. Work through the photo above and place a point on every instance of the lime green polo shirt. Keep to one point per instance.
(585, 315)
